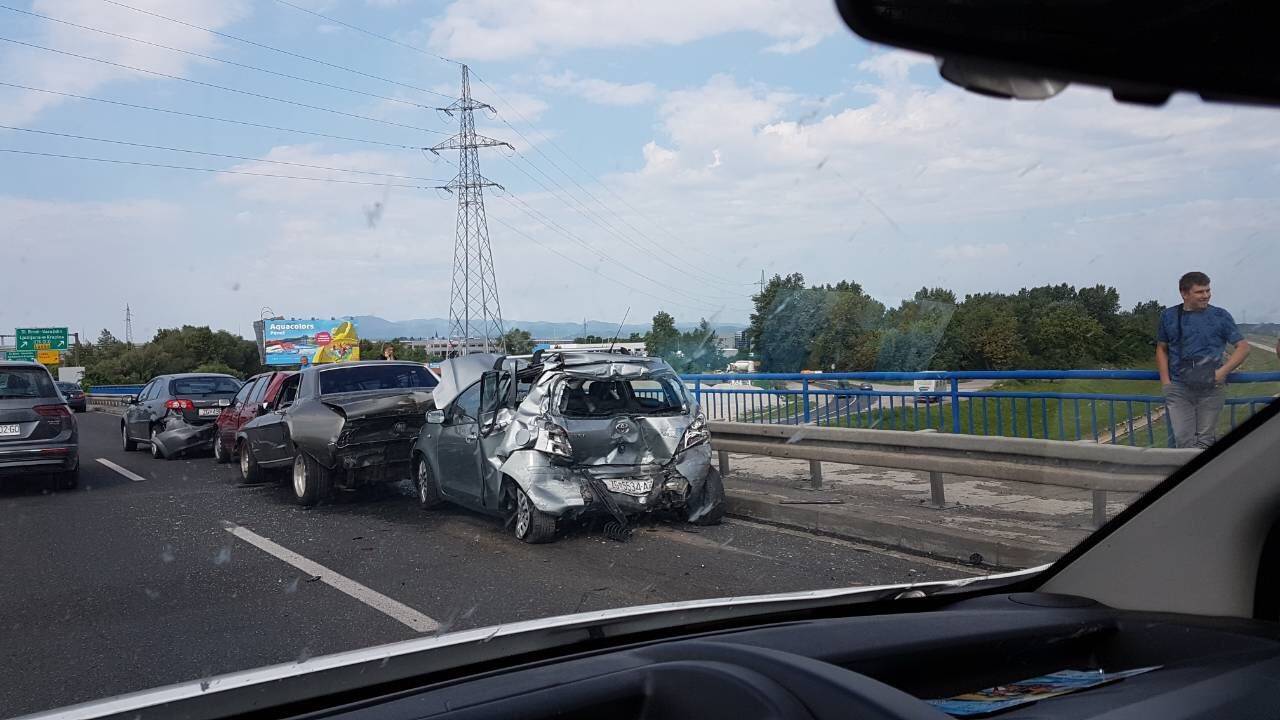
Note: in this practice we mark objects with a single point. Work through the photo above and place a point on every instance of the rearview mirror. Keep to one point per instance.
(1029, 49)
(435, 417)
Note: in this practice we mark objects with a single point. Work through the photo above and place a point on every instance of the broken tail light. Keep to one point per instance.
(554, 439)
(695, 434)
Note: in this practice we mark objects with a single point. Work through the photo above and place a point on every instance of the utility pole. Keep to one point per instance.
(128, 324)
(474, 309)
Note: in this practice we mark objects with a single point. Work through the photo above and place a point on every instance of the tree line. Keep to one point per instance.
(840, 327)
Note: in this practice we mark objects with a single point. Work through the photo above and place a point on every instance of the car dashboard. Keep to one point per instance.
(885, 666)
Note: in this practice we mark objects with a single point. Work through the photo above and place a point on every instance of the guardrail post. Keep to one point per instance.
(955, 406)
(724, 462)
(1099, 508)
(804, 388)
(815, 473)
(937, 494)
(697, 391)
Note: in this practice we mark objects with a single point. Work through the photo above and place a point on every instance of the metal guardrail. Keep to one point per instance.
(114, 404)
(116, 389)
(1099, 417)
(1085, 466)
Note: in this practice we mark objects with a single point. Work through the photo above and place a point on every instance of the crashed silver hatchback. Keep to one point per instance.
(563, 436)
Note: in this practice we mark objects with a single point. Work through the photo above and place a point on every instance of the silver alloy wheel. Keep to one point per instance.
(124, 433)
(244, 463)
(299, 476)
(155, 446)
(423, 474)
(523, 513)
(218, 453)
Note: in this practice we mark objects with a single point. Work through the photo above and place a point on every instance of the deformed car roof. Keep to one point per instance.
(459, 373)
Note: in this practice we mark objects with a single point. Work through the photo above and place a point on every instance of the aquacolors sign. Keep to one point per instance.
(310, 342)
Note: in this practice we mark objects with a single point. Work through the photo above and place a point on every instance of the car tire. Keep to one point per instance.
(69, 479)
(714, 487)
(311, 480)
(128, 444)
(157, 452)
(425, 483)
(220, 454)
(250, 470)
(531, 524)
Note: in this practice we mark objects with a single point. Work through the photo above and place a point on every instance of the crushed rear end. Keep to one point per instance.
(372, 433)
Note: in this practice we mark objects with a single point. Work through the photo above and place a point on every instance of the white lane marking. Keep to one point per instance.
(383, 604)
(125, 472)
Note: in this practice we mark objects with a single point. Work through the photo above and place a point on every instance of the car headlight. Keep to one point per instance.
(695, 434)
(554, 439)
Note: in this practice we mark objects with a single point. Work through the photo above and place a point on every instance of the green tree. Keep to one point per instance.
(698, 351)
(517, 342)
(846, 340)
(768, 302)
(1065, 336)
(663, 339)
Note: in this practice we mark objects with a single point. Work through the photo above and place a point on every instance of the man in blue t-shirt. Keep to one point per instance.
(1190, 345)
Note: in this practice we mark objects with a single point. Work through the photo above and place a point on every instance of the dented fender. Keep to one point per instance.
(554, 489)
(178, 437)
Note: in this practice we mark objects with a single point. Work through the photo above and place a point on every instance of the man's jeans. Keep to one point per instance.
(1193, 414)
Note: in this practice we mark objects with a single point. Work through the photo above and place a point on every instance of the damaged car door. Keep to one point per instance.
(268, 435)
(459, 448)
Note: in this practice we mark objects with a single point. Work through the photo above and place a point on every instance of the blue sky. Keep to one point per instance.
(683, 150)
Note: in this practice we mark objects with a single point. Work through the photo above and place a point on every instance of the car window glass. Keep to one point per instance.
(359, 378)
(468, 403)
(26, 382)
(596, 398)
(243, 395)
(260, 390)
(148, 392)
(288, 392)
(204, 385)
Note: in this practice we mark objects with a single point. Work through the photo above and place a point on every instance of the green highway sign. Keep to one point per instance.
(49, 338)
(28, 355)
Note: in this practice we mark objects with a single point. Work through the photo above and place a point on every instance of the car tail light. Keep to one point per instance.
(179, 404)
(55, 415)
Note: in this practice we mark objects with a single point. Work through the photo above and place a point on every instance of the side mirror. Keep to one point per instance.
(435, 417)
(133, 399)
(263, 408)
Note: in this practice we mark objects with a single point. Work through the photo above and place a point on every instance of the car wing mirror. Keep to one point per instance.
(133, 399)
(435, 417)
(263, 408)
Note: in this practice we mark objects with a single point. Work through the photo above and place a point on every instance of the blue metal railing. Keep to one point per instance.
(1099, 417)
(115, 389)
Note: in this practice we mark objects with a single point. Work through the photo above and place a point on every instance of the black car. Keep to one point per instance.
(38, 433)
(74, 395)
(339, 426)
(177, 413)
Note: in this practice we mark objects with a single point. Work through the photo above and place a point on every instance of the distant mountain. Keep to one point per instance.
(372, 327)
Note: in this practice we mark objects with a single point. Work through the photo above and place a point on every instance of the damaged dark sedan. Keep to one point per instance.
(175, 414)
(544, 439)
(339, 427)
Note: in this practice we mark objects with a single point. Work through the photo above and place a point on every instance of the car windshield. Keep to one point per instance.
(207, 385)
(741, 303)
(17, 383)
(68, 387)
(358, 378)
(584, 397)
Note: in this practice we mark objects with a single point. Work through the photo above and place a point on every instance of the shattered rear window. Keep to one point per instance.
(604, 398)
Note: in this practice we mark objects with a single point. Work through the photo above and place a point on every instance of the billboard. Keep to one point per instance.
(309, 342)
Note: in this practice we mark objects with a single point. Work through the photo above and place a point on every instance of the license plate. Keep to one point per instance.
(629, 487)
(210, 412)
(10, 430)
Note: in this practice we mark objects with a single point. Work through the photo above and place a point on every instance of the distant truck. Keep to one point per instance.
(70, 374)
(928, 386)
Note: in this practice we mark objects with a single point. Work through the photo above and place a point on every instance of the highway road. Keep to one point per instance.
(155, 572)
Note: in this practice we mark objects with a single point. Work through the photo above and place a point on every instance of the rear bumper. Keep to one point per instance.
(51, 457)
(179, 437)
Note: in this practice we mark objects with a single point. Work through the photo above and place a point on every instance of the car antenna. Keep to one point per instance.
(619, 332)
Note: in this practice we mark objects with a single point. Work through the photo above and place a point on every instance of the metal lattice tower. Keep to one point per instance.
(475, 314)
(128, 324)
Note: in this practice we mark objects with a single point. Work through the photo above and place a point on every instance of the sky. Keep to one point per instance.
(665, 156)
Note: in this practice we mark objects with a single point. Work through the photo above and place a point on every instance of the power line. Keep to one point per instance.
(208, 170)
(597, 180)
(264, 46)
(220, 155)
(214, 118)
(570, 258)
(216, 59)
(556, 227)
(370, 33)
(222, 87)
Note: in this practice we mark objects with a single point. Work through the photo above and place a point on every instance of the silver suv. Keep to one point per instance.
(566, 435)
(38, 433)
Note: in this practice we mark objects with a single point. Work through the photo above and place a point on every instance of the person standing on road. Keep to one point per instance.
(1190, 346)
(388, 352)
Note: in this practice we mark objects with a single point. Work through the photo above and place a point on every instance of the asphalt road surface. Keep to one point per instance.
(155, 572)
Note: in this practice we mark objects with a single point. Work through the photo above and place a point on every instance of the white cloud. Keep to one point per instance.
(497, 29)
(600, 91)
(969, 251)
(42, 69)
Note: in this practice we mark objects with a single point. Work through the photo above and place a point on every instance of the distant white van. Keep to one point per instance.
(929, 386)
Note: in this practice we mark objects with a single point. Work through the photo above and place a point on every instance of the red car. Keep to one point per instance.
(259, 393)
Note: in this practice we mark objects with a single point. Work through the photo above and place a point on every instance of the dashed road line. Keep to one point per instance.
(123, 471)
(383, 604)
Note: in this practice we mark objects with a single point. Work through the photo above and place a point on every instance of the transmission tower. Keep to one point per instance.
(474, 310)
(128, 324)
